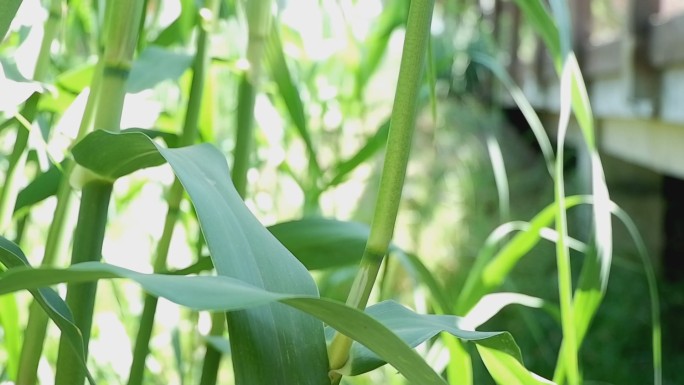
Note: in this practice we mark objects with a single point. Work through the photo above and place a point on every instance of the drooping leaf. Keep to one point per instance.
(115, 155)
(271, 333)
(13, 258)
(42, 187)
(288, 342)
(415, 329)
(222, 293)
(155, 65)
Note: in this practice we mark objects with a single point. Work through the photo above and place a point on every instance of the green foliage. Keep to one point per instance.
(294, 121)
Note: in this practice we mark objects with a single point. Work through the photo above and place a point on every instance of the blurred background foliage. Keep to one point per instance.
(321, 121)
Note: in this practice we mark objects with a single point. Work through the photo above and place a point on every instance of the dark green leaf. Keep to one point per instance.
(42, 187)
(180, 30)
(155, 65)
(8, 9)
(115, 155)
(321, 243)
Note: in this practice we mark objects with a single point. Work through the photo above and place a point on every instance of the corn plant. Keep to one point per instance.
(262, 294)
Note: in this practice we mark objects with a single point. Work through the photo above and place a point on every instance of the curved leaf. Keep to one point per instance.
(221, 293)
(12, 257)
(321, 243)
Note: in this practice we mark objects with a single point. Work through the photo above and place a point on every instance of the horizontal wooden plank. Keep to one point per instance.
(603, 60)
(667, 41)
(649, 143)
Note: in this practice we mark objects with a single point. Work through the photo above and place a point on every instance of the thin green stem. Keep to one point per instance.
(88, 239)
(189, 132)
(34, 334)
(570, 342)
(92, 218)
(212, 356)
(37, 321)
(245, 133)
(402, 125)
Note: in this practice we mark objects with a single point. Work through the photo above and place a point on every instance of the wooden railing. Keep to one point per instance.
(635, 77)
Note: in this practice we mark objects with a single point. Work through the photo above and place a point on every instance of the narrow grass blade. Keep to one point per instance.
(287, 89)
(492, 267)
(373, 144)
(523, 105)
(540, 19)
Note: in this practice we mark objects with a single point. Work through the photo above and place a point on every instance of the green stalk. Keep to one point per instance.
(402, 125)
(120, 43)
(259, 23)
(142, 342)
(258, 20)
(245, 132)
(570, 343)
(34, 335)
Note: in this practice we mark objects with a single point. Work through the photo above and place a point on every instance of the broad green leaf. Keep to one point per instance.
(321, 243)
(115, 155)
(415, 329)
(13, 258)
(241, 247)
(222, 293)
(42, 187)
(8, 9)
(290, 343)
(147, 71)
